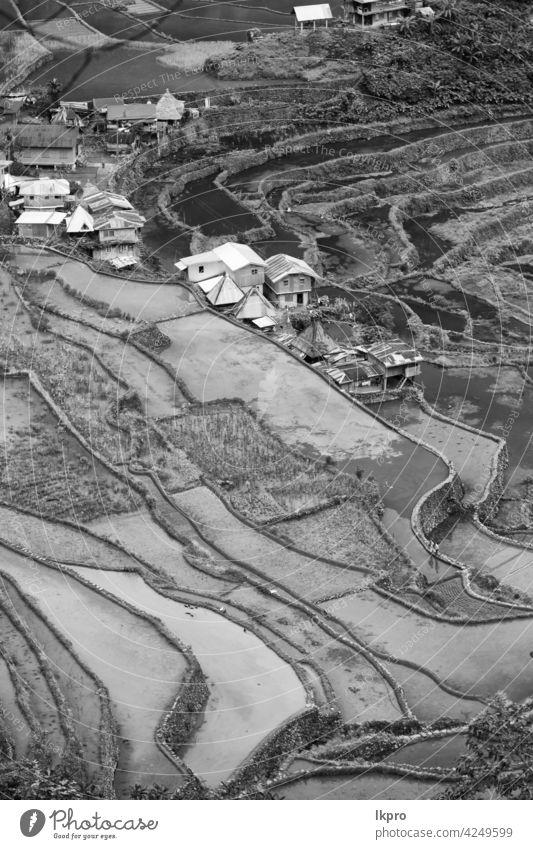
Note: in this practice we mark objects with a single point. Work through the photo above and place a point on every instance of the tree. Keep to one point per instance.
(499, 759)
(53, 89)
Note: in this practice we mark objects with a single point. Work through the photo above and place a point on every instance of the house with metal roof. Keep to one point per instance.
(39, 223)
(245, 267)
(45, 193)
(382, 13)
(48, 145)
(357, 377)
(398, 361)
(311, 14)
(289, 280)
(142, 115)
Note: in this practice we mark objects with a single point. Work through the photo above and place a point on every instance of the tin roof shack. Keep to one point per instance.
(289, 281)
(39, 223)
(313, 344)
(118, 235)
(356, 376)
(398, 361)
(240, 262)
(311, 14)
(48, 145)
(45, 194)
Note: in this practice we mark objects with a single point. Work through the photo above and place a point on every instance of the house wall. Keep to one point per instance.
(251, 275)
(287, 299)
(291, 283)
(209, 269)
(124, 235)
(104, 252)
(44, 201)
(35, 231)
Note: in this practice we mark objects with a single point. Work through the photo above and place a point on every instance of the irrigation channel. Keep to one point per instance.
(217, 360)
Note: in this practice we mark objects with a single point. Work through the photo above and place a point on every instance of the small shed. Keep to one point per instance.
(311, 14)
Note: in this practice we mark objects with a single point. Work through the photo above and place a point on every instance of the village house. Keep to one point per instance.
(311, 14)
(67, 116)
(288, 280)
(48, 145)
(397, 360)
(44, 194)
(141, 116)
(111, 222)
(356, 376)
(374, 13)
(169, 111)
(240, 262)
(39, 223)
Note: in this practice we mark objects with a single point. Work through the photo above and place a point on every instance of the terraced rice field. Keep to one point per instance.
(140, 668)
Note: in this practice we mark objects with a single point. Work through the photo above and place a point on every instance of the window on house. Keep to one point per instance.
(200, 269)
(285, 282)
(254, 270)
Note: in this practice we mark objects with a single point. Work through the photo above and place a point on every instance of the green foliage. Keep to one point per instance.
(33, 780)
(499, 763)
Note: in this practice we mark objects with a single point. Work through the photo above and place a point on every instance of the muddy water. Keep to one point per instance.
(252, 690)
(367, 786)
(442, 752)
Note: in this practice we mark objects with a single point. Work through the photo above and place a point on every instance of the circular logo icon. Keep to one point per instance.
(32, 822)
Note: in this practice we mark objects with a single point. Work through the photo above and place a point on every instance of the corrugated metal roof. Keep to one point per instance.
(119, 221)
(236, 256)
(394, 352)
(47, 135)
(197, 259)
(131, 112)
(44, 188)
(41, 216)
(282, 265)
(321, 12)
(103, 103)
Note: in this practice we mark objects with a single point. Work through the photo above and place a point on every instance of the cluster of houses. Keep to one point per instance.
(105, 223)
(235, 278)
(237, 281)
(58, 144)
(358, 369)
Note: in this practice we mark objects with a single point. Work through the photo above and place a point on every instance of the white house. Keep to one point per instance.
(240, 262)
(45, 194)
(289, 280)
